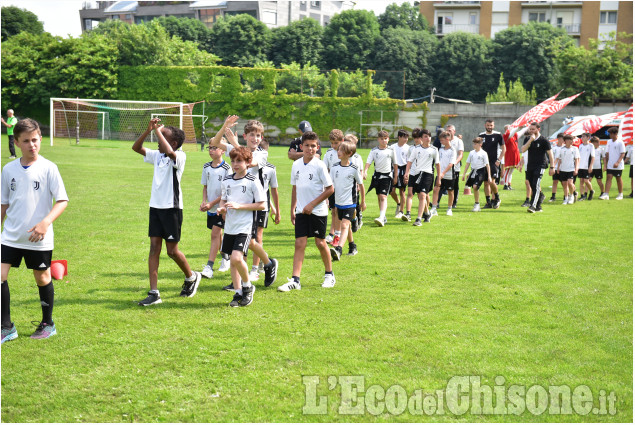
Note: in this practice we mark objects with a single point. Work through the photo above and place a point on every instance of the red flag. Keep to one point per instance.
(557, 105)
(534, 112)
(626, 127)
(593, 123)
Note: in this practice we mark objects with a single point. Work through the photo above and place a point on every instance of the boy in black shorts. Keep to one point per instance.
(479, 162)
(166, 206)
(401, 149)
(384, 160)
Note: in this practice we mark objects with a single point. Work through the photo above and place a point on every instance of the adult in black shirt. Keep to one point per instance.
(538, 150)
(491, 141)
(295, 150)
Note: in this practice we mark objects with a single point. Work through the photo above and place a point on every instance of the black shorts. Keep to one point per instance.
(332, 201)
(412, 181)
(262, 219)
(566, 175)
(597, 173)
(383, 185)
(166, 223)
(310, 226)
(630, 172)
(494, 170)
(401, 172)
(616, 173)
(239, 242)
(447, 184)
(34, 260)
(346, 213)
(556, 176)
(425, 183)
(215, 220)
(583, 173)
(477, 177)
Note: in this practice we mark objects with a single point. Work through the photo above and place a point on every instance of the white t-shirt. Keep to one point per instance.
(245, 190)
(345, 181)
(310, 180)
(599, 154)
(213, 178)
(401, 153)
(457, 145)
(357, 160)
(30, 194)
(423, 159)
(477, 160)
(383, 158)
(330, 158)
(260, 155)
(525, 158)
(446, 157)
(586, 153)
(629, 153)
(269, 179)
(567, 158)
(555, 150)
(613, 151)
(166, 182)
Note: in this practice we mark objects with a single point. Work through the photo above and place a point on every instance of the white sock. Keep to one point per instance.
(338, 233)
(239, 291)
(191, 278)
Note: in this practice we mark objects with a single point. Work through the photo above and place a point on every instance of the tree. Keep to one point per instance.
(516, 93)
(601, 73)
(349, 40)
(240, 40)
(463, 68)
(187, 29)
(529, 52)
(402, 49)
(404, 16)
(300, 41)
(14, 20)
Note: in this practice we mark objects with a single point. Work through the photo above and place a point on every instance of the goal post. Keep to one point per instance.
(106, 119)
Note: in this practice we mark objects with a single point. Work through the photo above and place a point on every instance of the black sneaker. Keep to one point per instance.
(552, 199)
(538, 209)
(631, 195)
(271, 272)
(541, 198)
(426, 218)
(417, 222)
(591, 193)
(354, 226)
(248, 296)
(531, 209)
(189, 288)
(526, 204)
(236, 300)
(497, 203)
(583, 197)
(352, 250)
(335, 253)
(488, 206)
(152, 298)
(229, 287)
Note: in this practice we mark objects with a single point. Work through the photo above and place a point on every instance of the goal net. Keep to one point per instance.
(125, 120)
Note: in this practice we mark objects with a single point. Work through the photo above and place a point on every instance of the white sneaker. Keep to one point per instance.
(604, 196)
(619, 197)
(449, 212)
(433, 212)
(224, 265)
(207, 272)
(329, 239)
(254, 275)
(476, 208)
(397, 211)
(329, 281)
(291, 284)
(566, 201)
(379, 222)
(399, 214)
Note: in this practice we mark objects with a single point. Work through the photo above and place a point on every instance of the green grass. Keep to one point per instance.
(543, 299)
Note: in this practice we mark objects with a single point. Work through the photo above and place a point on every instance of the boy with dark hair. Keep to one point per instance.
(445, 178)
(33, 197)
(479, 161)
(492, 142)
(166, 206)
(424, 158)
(401, 149)
(539, 152)
(311, 186)
(358, 161)
(587, 158)
(331, 158)
(384, 160)
(567, 164)
(597, 166)
(242, 195)
(556, 177)
(614, 165)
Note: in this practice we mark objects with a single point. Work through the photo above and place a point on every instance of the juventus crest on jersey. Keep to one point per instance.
(345, 181)
(244, 190)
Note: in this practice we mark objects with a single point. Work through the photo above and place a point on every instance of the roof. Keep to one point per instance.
(122, 7)
(208, 4)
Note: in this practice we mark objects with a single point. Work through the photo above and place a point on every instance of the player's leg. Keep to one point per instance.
(409, 200)
(173, 251)
(600, 182)
(298, 255)
(620, 186)
(450, 199)
(156, 243)
(345, 228)
(258, 240)
(383, 205)
(609, 182)
(8, 329)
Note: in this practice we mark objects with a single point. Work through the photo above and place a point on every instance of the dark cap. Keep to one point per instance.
(305, 126)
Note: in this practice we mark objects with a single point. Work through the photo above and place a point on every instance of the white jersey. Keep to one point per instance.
(357, 160)
(587, 152)
(30, 194)
(260, 155)
(555, 150)
(401, 153)
(269, 179)
(567, 158)
(613, 151)
(245, 190)
(477, 160)
(525, 156)
(330, 158)
(446, 157)
(600, 152)
(345, 181)
(310, 180)
(629, 153)
(166, 182)
(423, 159)
(457, 145)
(213, 178)
(383, 159)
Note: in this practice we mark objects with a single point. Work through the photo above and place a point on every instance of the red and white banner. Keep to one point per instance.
(531, 115)
(593, 123)
(557, 105)
(626, 127)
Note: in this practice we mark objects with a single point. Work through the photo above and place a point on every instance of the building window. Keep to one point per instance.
(302, 16)
(500, 18)
(303, 6)
(472, 18)
(608, 17)
(316, 16)
(115, 17)
(208, 16)
(316, 4)
(326, 20)
(270, 17)
(443, 20)
(537, 16)
(128, 17)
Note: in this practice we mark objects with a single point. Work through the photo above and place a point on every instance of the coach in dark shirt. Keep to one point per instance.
(538, 150)
(295, 150)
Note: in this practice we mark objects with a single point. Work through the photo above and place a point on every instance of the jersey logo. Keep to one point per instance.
(310, 176)
(13, 185)
(240, 244)
(244, 189)
(229, 190)
(220, 178)
(36, 185)
(337, 173)
(42, 265)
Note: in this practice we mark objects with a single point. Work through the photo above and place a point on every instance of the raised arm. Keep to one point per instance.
(163, 143)
(217, 139)
(138, 144)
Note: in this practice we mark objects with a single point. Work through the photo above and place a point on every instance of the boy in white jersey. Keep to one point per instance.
(384, 160)
(629, 159)
(587, 158)
(445, 178)
(253, 134)
(311, 186)
(214, 172)
(401, 149)
(166, 206)
(567, 165)
(556, 177)
(358, 161)
(411, 174)
(597, 166)
(242, 195)
(330, 158)
(347, 181)
(423, 158)
(33, 197)
(614, 165)
(479, 161)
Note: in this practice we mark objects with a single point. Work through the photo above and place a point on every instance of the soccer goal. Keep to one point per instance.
(126, 120)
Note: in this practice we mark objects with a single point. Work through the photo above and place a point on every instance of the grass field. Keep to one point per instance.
(543, 299)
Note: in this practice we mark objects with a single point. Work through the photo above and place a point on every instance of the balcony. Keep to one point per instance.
(450, 28)
(457, 4)
(572, 29)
